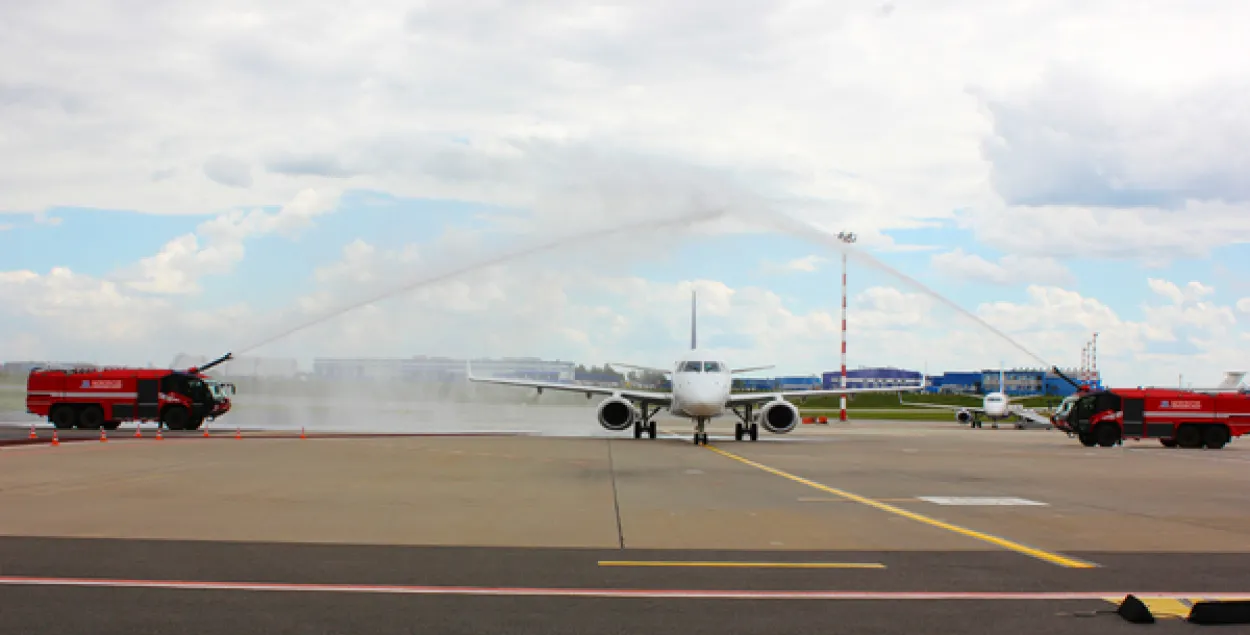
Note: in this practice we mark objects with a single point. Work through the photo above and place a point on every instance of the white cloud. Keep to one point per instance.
(1148, 235)
(364, 99)
(1009, 270)
(1192, 292)
(806, 264)
(218, 244)
(4, 227)
(75, 317)
(1243, 305)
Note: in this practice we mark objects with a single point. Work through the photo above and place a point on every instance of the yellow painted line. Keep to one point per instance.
(756, 565)
(1053, 558)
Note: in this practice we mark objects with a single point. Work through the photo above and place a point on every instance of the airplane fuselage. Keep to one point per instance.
(996, 406)
(701, 387)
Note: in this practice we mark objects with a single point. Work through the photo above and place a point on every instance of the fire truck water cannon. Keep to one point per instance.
(194, 370)
(94, 398)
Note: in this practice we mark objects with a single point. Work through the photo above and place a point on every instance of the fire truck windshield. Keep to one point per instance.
(219, 391)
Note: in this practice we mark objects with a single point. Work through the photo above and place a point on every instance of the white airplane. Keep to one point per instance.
(996, 406)
(701, 391)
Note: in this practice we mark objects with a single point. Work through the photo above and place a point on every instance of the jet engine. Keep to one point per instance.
(963, 416)
(617, 414)
(779, 416)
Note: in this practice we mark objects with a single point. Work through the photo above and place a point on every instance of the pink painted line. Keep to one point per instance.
(712, 594)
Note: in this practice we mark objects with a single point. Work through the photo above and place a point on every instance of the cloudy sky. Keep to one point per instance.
(552, 178)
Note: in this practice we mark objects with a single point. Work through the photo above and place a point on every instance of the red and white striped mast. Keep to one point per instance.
(1093, 360)
(847, 238)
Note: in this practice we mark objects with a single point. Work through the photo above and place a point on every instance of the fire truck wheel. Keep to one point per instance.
(1189, 437)
(1215, 436)
(1168, 443)
(175, 418)
(1107, 434)
(195, 423)
(91, 418)
(112, 425)
(1087, 439)
(63, 417)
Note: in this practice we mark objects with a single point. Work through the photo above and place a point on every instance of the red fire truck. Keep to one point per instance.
(93, 398)
(1177, 418)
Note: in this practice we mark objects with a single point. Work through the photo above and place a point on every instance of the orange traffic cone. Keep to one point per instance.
(33, 436)
(138, 430)
(238, 434)
(206, 432)
(158, 433)
(103, 437)
(55, 440)
(301, 433)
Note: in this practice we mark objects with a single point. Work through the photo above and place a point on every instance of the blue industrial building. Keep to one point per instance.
(1019, 382)
(955, 382)
(753, 384)
(871, 378)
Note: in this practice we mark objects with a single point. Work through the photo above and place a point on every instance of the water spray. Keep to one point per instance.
(498, 258)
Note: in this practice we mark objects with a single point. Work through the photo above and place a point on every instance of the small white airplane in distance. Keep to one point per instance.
(701, 391)
(996, 406)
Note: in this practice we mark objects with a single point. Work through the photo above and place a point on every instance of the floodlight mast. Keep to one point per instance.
(848, 238)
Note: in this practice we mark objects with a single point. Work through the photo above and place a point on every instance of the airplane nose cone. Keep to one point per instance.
(704, 401)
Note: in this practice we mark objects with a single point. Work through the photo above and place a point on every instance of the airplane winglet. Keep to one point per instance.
(468, 370)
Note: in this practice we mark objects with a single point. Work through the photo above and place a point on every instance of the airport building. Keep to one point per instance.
(1032, 381)
(871, 378)
(1019, 382)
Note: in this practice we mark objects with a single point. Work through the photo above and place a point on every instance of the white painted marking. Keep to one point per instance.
(979, 500)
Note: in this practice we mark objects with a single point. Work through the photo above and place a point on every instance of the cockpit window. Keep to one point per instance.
(692, 367)
(711, 367)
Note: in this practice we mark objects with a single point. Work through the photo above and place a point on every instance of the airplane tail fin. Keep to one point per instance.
(694, 341)
(1002, 377)
(1232, 379)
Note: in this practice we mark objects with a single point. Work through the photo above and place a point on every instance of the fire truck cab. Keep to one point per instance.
(1177, 418)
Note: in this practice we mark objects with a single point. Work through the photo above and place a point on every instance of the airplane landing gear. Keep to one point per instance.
(743, 431)
(647, 424)
(647, 427)
(700, 435)
(746, 428)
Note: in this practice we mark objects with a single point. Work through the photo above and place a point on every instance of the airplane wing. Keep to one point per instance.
(750, 369)
(940, 406)
(1033, 417)
(634, 395)
(758, 397)
(646, 368)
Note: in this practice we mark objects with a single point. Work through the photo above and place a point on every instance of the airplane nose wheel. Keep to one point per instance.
(700, 436)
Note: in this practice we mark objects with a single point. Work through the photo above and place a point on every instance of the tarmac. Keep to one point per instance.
(873, 527)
